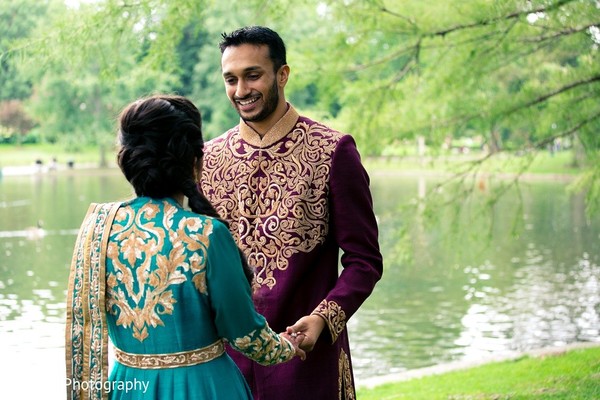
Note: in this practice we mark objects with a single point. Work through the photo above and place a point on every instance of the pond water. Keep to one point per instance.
(525, 276)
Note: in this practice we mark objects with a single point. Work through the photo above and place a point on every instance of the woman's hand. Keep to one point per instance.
(296, 339)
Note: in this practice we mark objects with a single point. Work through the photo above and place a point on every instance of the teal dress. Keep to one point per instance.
(174, 292)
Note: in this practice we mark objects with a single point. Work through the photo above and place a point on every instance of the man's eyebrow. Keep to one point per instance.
(246, 70)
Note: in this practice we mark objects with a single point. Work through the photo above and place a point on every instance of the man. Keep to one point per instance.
(295, 193)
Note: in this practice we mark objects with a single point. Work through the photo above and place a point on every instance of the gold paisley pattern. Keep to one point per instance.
(345, 381)
(260, 346)
(138, 288)
(273, 192)
(334, 315)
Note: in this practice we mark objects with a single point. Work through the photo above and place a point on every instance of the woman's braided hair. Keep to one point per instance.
(161, 152)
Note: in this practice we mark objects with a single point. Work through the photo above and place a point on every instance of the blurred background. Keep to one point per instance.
(478, 122)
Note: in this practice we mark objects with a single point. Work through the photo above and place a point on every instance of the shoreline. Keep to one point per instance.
(28, 170)
(530, 176)
(438, 369)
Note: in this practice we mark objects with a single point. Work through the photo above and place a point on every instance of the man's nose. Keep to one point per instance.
(242, 89)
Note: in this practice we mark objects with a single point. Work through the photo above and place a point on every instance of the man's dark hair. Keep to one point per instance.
(257, 35)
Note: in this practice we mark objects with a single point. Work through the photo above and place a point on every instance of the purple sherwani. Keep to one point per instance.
(295, 198)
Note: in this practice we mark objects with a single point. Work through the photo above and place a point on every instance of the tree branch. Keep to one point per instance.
(465, 118)
(503, 37)
(556, 92)
(549, 140)
(485, 22)
(474, 165)
(558, 34)
(403, 17)
(361, 67)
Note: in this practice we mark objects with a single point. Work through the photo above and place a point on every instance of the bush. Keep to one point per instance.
(15, 124)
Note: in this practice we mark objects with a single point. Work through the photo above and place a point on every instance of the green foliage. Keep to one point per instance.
(17, 19)
(79, 93)
(514, 75)
(589, 183)
(521, 75)
(14, 122)
(439, 70)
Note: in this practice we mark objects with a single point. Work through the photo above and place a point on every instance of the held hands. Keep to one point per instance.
(310, 327)
(296, 340)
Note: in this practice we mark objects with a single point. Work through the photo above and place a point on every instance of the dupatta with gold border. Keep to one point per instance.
(86, 344)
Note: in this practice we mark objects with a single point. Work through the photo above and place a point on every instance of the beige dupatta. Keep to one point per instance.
(86, 335)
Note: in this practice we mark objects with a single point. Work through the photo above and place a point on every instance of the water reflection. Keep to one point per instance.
(467, 295)
(456, 297)
(37, 233)
(14, 203)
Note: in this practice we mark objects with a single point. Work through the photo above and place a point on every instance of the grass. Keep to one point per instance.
(542, 163)
(16, 156)
(571, 375)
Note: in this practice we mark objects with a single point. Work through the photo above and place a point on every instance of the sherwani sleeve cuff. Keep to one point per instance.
(333, 315)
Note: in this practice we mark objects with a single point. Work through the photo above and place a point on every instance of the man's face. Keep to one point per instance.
(250, 82)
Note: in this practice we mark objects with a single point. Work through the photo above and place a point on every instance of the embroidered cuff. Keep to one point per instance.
(333, 315)
(264, 346)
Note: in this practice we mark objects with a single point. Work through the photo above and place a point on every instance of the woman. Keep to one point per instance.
(166, 284)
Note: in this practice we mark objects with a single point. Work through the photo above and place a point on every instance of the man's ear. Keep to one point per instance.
(282, 75)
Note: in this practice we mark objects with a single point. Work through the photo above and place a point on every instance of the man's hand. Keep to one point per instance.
(311, 327)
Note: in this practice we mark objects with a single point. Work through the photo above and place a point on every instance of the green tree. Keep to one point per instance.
(414, 67)
(519, 74)
(17, 20)
(523, 74)
(79, 92)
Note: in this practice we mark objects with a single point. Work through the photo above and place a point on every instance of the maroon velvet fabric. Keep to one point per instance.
(295, 199)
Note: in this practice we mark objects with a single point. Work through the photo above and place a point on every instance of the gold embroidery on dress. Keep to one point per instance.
(86, 339)
(171, 360)
(136, 245)
(261, 348)
(345, 381)
(275, 197)
(334, 315)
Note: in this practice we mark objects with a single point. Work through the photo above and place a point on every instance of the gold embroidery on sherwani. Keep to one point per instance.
(346, 386)
(140, 293)
(334, 315)
(274, 191)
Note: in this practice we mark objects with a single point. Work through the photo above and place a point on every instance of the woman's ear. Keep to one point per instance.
(197, 169)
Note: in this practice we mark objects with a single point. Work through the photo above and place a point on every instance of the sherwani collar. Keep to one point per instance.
(277, 131)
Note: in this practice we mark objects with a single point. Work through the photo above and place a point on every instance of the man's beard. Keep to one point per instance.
(270, 104)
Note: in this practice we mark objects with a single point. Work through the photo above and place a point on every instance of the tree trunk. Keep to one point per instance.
(495, 143)
(102, 149)
(579, 156)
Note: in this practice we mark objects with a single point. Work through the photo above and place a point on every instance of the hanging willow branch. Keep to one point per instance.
(507, 17)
